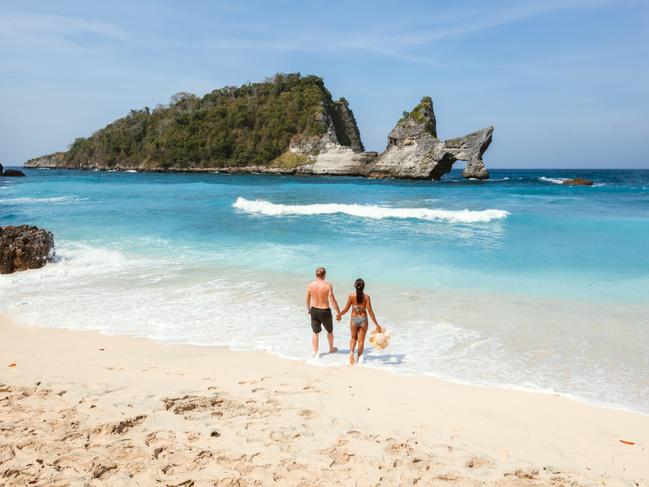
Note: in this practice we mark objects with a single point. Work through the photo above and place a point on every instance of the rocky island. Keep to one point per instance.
(288, 124)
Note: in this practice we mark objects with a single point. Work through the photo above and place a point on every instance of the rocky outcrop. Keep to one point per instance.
(10, 172)
(413, 152)
(577, 182)
(57, 159)
(13, 173)
(24, 247)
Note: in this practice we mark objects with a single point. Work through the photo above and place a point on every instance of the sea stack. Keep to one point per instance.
(414, 151)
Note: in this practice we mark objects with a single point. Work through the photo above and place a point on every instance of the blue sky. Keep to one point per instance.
(564, 82)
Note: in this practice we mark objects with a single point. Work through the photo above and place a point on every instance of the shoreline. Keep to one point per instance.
(448, 425)
(543, 309)
(309, 362)
(531, 169)
(171, 341)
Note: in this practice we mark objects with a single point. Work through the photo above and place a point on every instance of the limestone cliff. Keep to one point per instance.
(346, 126)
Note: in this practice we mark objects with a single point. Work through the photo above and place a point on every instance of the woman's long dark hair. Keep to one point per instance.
(360, 286)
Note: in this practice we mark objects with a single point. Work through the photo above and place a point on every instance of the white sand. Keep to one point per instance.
(80, 408)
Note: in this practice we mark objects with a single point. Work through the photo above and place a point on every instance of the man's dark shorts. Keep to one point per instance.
(321, 317)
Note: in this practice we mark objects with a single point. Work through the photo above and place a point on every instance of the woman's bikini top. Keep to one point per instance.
(359, 308)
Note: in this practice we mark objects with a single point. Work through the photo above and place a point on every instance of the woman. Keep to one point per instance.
(361, 305)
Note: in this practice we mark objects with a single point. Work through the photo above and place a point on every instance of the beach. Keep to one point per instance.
(83, 408)
(191, 193)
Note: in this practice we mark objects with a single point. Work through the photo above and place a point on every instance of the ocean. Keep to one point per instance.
(518, 281)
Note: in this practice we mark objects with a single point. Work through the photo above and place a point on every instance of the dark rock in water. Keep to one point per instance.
(13, 173)
(24, 247)
(577, 182)
(0, 169)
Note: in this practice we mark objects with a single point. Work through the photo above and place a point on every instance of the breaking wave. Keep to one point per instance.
(262, 207)
(552, 180)
(55, 199)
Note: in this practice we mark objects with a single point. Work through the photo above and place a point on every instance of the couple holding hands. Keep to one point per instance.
(319, 294)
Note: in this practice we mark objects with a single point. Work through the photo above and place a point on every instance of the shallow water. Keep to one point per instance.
(517, 281)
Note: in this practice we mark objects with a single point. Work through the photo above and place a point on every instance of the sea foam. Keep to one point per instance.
(552, 180)
(263, 207)
(55, 199)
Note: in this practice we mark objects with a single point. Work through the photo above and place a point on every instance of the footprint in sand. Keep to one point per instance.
(477, 462)
(308, 414)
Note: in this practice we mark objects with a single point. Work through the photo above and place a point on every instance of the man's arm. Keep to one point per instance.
(308, 299)
(346, 308)
(333, 299)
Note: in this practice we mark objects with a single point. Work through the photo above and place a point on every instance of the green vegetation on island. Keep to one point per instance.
(229, 127)
(424, 114)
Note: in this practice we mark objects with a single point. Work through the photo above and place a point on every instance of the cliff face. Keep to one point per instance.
(289, 124)
(346, 126)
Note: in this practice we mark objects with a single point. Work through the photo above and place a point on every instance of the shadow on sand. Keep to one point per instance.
(375, 357)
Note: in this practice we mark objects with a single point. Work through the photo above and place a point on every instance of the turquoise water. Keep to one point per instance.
(517, 281)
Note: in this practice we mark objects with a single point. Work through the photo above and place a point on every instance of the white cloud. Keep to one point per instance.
(45, 27)
(395, 42)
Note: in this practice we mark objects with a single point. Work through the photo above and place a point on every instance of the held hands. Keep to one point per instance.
(338, 316)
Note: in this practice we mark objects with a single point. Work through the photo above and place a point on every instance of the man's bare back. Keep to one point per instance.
(319, 291)
(319, 294)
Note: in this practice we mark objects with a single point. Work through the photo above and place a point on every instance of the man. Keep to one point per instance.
(318, 295)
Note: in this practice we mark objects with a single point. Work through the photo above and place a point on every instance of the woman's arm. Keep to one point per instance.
(346, 308)
(370, 312)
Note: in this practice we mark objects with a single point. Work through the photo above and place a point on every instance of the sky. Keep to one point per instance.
(564, 82)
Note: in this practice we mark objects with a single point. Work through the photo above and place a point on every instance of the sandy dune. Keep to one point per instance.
(80, 408)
